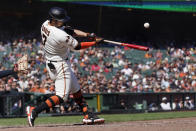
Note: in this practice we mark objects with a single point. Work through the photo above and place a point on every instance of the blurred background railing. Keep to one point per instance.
(13, 105)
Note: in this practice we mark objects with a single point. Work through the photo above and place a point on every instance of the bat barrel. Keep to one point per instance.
(138, 47)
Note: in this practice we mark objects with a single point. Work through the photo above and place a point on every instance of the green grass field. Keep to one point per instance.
(109, 118)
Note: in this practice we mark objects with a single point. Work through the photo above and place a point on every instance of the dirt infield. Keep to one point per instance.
(180, 124)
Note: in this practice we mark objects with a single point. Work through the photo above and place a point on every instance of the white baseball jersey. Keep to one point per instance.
(57, 43)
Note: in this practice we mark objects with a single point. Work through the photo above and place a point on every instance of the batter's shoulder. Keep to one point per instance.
(60, 35)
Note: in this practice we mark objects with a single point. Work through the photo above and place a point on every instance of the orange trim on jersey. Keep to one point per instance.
(85, 109)
(49, 103)
(87, 44)
(64, 79)
(55, 99)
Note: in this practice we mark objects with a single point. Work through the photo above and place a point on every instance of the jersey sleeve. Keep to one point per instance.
(67, 40)
(71, 42)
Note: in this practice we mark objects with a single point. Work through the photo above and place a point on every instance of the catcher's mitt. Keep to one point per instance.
(22, 63)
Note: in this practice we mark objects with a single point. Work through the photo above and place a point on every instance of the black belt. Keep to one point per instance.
(57, 61)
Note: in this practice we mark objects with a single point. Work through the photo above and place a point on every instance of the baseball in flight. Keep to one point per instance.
(146, 25)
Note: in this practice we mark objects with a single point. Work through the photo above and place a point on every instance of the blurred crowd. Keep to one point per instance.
(104, 69)
(176, 75)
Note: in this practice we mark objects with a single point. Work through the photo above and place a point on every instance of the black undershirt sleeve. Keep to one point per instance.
(78, 47)
(69, 30)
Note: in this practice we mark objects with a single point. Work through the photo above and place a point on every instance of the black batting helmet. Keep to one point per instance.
(59, 14)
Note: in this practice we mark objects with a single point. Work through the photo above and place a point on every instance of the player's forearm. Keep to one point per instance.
(74, 32)
(80, 33)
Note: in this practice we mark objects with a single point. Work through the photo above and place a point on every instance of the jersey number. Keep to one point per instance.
(44, 38)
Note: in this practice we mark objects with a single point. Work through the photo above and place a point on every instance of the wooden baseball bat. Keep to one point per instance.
(138, 47)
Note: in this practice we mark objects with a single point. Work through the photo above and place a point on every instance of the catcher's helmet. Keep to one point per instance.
(59, 14)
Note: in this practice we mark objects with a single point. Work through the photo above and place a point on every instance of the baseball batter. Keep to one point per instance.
(58, 42)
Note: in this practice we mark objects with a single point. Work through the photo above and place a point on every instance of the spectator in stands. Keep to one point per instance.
(121, 61)
(188, 104)
(165, 85)
(165, 105)
(158, 54)
(123, 105)
(23, 83)
(136, 75)
(177, 104)
(148, 55)
(36, 87)
(108, 67)
(127, 70)
(95, 67)
(14, 86)
(114, 63)
(153, 107)
(2, 88)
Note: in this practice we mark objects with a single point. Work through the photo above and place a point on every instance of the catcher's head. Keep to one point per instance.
(58, 16)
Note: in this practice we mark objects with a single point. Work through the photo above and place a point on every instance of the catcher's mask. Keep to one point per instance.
(57, 13)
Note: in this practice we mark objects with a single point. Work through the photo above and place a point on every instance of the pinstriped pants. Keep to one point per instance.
(65, 80)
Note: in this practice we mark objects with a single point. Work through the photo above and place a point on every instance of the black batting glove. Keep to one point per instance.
(91, 36)
(99, 40)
